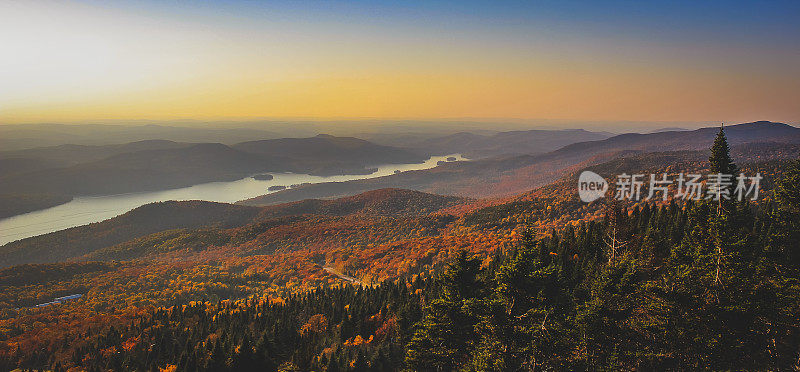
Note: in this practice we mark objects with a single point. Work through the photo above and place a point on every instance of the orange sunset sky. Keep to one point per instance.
(88, 61)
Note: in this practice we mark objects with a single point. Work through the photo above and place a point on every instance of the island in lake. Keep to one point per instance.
(276, 188)
(263, 177)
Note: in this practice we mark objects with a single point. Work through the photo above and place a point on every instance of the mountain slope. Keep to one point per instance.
(24, 136)
(507, 143)
(66, 155)
(147, 219)
(503, 176)
(159, 217)
(327, 155)
(760, 131)
(384, 202)
(141, 171)
(70, 170)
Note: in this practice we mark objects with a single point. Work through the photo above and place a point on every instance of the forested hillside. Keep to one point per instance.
(537, 281)
(387, 202)
(561, 302)
(144, 220)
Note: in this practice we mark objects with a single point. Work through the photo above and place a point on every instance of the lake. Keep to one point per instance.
(87, 209)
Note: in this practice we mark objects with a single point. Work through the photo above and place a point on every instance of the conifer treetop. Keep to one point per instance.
(720, 159)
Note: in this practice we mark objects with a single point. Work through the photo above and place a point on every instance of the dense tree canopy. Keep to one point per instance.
(680, 285)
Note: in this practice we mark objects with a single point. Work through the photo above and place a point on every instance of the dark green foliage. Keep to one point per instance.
(445, 334)
(720, 158)
(559, 303)
(785, 233)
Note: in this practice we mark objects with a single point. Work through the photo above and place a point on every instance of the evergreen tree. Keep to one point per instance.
(524, 325)
(720, 158)
(787, 216)
(445, 335)
(726, 224)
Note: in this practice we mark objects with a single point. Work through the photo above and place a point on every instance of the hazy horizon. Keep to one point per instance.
(354, 126)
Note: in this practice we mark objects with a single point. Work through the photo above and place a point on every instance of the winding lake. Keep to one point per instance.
(87, 209)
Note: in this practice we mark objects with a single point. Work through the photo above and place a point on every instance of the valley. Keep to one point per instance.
(79, 170)
(512, 174)
(83, 210)
(362, 265)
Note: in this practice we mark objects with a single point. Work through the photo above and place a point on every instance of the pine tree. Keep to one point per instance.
(720, 158)
(725, 224)
(442, 339)
(616, 229)
(524, 325)
(787, 215)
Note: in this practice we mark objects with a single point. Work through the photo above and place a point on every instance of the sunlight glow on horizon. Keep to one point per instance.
(73, 62)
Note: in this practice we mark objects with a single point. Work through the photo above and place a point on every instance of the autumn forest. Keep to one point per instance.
(394, 279)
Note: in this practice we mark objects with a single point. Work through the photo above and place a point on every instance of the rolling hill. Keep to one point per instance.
(158, 217)
(138, 171)
(147, 219)
(71, 170)
(360, 273)
(28, 136)
(760, 131)
(328, 155)
(506, 143)
(71, 154)
(382, 202)
(503, 176)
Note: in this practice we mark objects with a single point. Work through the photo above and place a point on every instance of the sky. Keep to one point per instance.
(710, 61)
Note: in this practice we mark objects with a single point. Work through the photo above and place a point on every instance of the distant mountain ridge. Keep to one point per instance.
(500, 176)
(155, 165)
(503, 176)
(71, 154)
(137, 171)
(506, 143)
(47, 175)
(26, 136)
(759, 131)
(324, 154)
(70, 170)
(668, 129)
